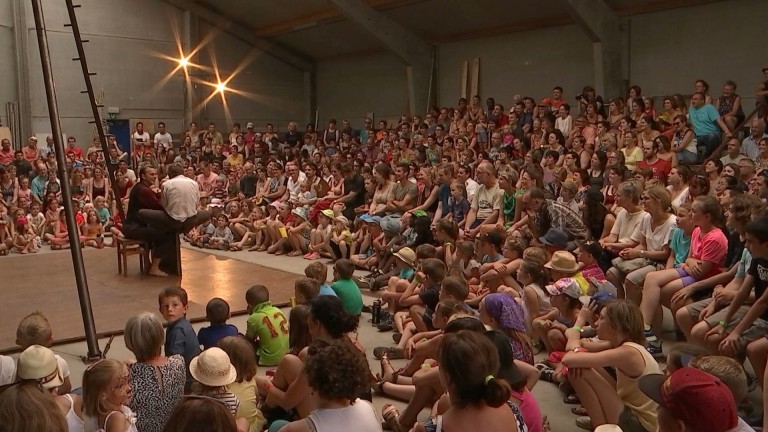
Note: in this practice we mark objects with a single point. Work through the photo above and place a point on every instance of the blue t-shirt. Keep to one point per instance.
(210, 336)
(680, 245)
(444, 197)
(326, 289)
(180, 338)
(459, 210)
(406, 273)
(704, 120)
(103, 214)
(744, 263)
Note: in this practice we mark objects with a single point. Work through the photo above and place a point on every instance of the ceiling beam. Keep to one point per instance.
(245, 34)
(326, 16)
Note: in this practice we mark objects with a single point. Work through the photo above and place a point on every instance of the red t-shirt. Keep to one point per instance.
(712, 247)
(660, 168)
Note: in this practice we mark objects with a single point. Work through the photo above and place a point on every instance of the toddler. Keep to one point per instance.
(320, 236)
(217, 313)
(36, 220)
(341, 237)
(222, 236)
(201, 235)
(267, 326)
(465, 265)
(24, 237)
(458, 205)
(180, 337)
(93, 230)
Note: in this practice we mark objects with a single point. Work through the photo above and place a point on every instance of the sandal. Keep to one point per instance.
(571, 399)
(391, 416)
(584, 422)
(397, 337)
(385, 376)
(580, 411)
(294, 254)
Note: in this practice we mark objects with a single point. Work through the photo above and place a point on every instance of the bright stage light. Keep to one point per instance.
(221, 87)
(184, 62)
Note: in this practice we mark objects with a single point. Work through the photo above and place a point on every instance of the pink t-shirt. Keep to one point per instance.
(711, 248)
(593, 270)
(207, 183)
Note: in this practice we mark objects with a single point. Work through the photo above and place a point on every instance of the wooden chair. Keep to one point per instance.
(127, 247)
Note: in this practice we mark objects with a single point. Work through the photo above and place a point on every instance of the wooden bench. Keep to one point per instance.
(127, 247)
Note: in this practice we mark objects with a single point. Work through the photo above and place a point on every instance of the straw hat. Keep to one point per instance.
(39, 363)
(608, 428)
(563, 261)
(343, 220)
(407, 255)
(213, 368)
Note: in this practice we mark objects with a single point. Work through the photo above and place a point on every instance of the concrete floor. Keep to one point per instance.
(548, 395)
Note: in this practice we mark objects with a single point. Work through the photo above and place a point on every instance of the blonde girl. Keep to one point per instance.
(106, 391)
(246, 386)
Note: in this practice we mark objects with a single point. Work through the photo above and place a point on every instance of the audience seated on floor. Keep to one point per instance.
(565, 230)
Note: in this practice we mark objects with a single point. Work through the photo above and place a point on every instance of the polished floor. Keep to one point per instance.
(46, 283)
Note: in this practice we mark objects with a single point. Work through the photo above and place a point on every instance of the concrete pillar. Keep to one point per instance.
(190, 39)
(21, 48)
(603, 27)
(417, 55)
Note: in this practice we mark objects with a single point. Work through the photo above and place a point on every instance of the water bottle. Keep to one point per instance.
(376, 312)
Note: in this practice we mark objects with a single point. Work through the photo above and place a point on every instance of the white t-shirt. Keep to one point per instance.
(165, 140)
(742, 426)
(655, 239)
(142, 139)
(625, 224)
(487, 200)
(7, 370)
(180, 197)
(472, 187)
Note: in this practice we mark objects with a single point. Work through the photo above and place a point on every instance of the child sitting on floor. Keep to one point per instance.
(35, 329)
(346, 288)
(319, 272)
(23, 237)
(465, 265)
(320, 236)
(180, 337)
(106, 392)
(267, 326)
(222, 236)
(217, 313)
(213, 372)
(564, 296)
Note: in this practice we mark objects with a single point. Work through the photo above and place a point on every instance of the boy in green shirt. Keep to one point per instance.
(346, 288)
(267, 326)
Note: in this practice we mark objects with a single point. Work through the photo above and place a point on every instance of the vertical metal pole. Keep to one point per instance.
(74, 240)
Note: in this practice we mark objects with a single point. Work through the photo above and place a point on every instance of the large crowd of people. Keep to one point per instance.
(490, 236)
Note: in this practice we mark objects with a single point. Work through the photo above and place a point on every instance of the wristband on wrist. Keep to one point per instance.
(578, 328)
(723, 323)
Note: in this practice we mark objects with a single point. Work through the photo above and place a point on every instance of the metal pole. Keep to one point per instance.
(74, 240)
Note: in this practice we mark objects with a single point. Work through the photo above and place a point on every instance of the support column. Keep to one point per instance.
(23, 90)
(603, 27)
(190, 39)
(417, 55)
(310, 97)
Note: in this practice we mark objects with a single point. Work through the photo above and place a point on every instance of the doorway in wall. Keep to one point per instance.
(121, 129)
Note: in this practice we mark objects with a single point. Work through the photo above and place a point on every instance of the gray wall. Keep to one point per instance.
(352, 88)
(532, 62)
(126, 39)
(7, 68)
(127, 42)
(266, 89)
(525, 63)
(671, 49)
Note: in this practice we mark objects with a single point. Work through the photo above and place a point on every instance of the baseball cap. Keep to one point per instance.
(565, 286)
(249, 125)
(602, 298)
(700, 400)
(328, 213)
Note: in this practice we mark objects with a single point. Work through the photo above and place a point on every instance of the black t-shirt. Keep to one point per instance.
(354, 183)
(759, 271)
(248, 185)
(292, 138)
(430, 296)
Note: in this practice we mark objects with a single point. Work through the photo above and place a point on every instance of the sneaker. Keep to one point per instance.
(386, 325)
(654, 348)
